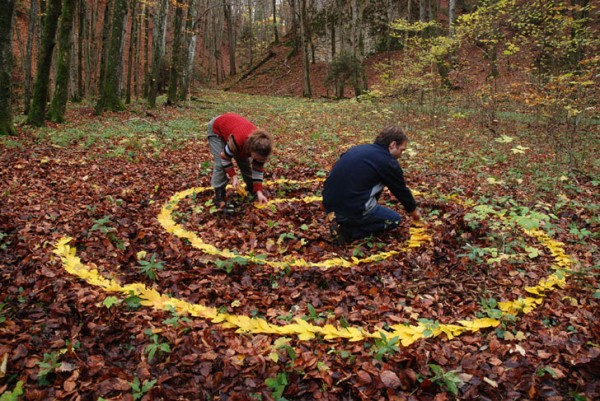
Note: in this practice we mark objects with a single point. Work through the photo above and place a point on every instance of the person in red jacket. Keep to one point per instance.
(231, 136)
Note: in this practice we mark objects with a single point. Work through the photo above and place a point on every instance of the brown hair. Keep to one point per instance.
(390, 134)
(259, 142)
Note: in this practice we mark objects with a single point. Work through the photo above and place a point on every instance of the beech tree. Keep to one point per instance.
(33, 12)
(174, 75)
(59, 101)
(41, 88)
(159, 33)
(109, 93)
(6, 15)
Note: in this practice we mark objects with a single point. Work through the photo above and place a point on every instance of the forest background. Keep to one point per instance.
(102, 111)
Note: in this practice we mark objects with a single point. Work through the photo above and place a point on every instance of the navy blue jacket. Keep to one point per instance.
(358, 178)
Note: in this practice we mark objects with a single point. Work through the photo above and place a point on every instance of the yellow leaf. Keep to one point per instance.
(505, 139)
(490, 382)
(274, 356)
(235, 303)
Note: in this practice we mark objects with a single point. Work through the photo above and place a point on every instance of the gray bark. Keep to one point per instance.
(61, 90)
(41, 88)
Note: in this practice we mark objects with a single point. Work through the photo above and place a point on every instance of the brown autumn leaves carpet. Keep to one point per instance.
(109, 206)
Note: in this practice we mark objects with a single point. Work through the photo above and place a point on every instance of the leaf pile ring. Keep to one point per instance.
(406, 333)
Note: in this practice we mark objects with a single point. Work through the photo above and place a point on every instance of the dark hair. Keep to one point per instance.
(390, 134)
(259, 142)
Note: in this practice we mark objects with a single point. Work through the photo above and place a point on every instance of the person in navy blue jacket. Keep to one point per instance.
(357, 180)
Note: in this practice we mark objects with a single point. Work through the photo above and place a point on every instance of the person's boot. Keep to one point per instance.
(221, 200)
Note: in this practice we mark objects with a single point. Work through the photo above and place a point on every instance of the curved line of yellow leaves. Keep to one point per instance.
(407, 334)
(418, 236)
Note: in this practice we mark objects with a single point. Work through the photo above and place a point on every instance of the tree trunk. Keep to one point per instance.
(176, 54)
(147, 78)
(230, 37)
(80, 42)
(295, 36)
(159, 34)
(275, 22)
(30, 38)
(6, 119)
(303, 32)
(42, 82)
(58, 105)
(109, 95)
(132, 47)
(251, 34)
(91, 51)
(105, 44)
(190, 45)
(451, 9)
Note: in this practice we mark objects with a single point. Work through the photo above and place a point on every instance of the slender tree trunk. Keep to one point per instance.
(147, 78)
(176, 54)
(159, 34)
(190, 45)
(303, 28)
(251, 31)
(132, 41)
(6, 118)
(30, 38)
(295, 37)
(56, 113)
(451, 9)
(109, 95)
(275, 33)
(42, 82)
(91, 52)
(81, 20)
(105, 44)
(230, 37)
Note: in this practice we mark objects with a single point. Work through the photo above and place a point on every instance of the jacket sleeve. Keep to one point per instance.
(227, 156)
(393, 178)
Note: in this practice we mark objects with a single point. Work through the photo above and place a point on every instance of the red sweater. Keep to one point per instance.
(235, 130)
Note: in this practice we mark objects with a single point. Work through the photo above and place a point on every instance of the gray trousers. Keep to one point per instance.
(219, 178)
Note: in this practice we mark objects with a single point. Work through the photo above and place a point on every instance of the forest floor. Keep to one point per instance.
(120, 281)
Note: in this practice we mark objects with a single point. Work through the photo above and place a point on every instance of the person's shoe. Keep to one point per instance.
(340, 234)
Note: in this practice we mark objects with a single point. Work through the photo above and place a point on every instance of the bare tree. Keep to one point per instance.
(6, 16)
(451, 9)
(33, 12)
(276, 40)
(132, 50)
(307, 92)
(190, 46)
(58, 105)
(41, 88)
(230, 36)
(159, 35)
(109, 93)
(176, 53)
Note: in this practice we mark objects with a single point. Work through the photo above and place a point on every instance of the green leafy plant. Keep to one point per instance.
(14, 394)
(3, 242)
(155, 346)
(228, 264)
(110, 301)
(448, 380)
(48, 366)
(489, 306)
(278, 384)
(175, 320)
(383, 346)
(133, 301)
(103, 225)
(150, 267)
(138, 389)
